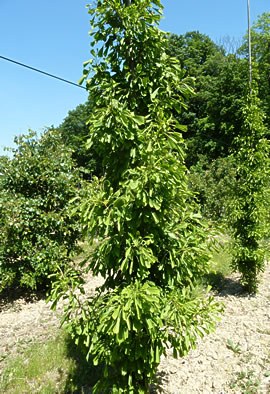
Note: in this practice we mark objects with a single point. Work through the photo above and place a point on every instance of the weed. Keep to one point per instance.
(265, 331)
(235, 347)
(246, 381)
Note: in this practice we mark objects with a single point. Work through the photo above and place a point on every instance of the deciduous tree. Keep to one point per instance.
(147, 238)
(249, 209)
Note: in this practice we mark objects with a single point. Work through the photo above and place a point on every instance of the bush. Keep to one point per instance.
(37, 230)
(214, 184)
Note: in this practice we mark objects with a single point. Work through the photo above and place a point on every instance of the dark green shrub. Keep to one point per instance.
(75, 132)
(214, 184)
(37, 230)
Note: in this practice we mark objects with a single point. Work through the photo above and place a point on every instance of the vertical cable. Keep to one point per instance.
(249, 47)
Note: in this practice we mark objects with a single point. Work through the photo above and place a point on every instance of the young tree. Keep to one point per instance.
(146, 236)
(250, 198)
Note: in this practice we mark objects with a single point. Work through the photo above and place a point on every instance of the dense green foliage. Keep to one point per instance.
(147, 239)
(249, 208)
(37, 231)
(214, 183)
(213, 114)
(75, 132)
(213, 119)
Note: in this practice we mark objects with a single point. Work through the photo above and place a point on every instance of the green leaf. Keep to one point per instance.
(154, 94)
(140, 120)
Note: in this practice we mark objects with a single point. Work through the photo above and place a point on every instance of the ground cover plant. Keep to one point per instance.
(29, 372)
(148, 240)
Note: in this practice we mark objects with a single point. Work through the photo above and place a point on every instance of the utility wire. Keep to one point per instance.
(41, 72)
(249, 47)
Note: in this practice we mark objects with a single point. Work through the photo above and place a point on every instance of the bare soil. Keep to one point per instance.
(234, 359)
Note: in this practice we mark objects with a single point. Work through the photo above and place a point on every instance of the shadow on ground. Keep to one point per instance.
(84, 375)
(226, 286)
(12, 294)
(161, 379)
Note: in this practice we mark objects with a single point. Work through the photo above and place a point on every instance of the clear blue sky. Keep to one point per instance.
(53, 35)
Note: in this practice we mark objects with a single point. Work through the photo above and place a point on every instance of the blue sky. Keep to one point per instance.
(53, 35)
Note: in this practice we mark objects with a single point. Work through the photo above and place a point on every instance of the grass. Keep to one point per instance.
(42, 368)
(221, 261)
(220, 265)
(56, 366)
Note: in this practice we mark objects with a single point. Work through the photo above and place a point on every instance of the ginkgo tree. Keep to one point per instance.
(249, 207)
(146, 237)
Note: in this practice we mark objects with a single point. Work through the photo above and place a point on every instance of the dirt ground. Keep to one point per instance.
(234, 359)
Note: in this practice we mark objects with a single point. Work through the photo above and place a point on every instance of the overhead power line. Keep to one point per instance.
(42, 72)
